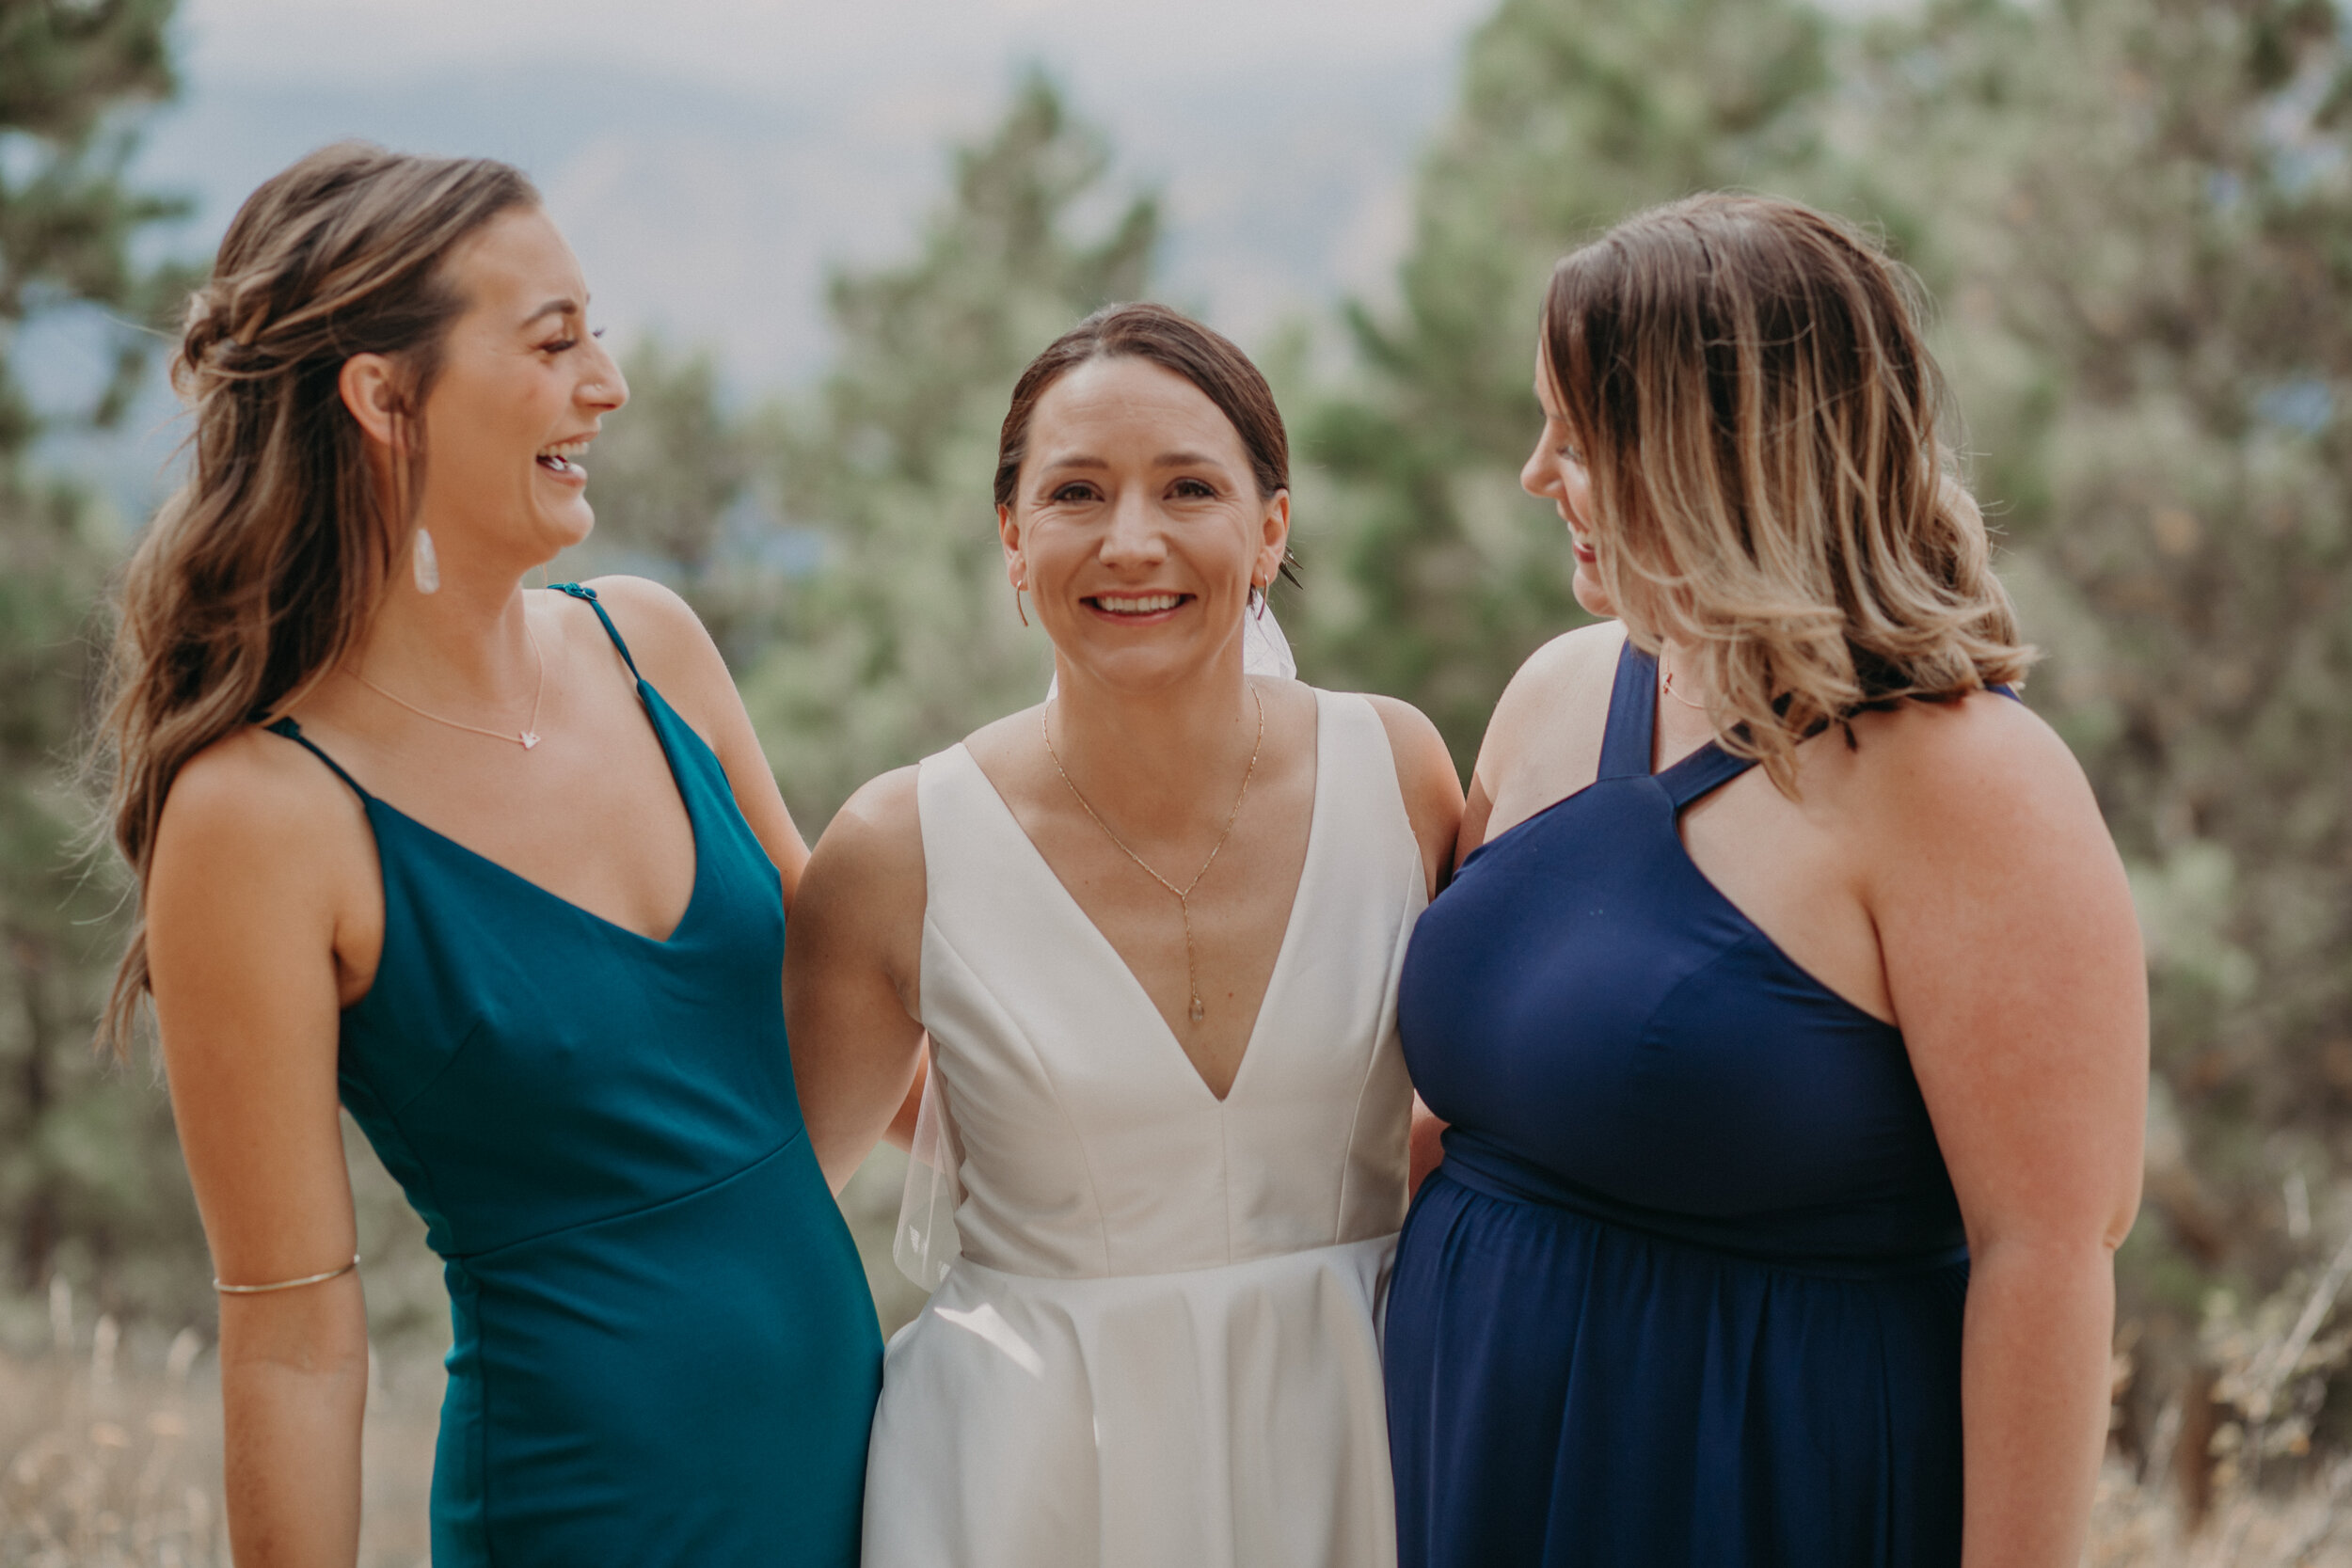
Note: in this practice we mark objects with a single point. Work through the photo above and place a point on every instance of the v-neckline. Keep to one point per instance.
(1139, 993)
(653, 705)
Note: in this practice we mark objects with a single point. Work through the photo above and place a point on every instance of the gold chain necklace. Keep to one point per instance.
(1184, 894)
(1666, 683)
(526, 738)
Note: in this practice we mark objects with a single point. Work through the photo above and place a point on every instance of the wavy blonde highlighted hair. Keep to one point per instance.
(1757, 414)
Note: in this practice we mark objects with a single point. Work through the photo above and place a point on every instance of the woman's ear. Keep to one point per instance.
(1009, 532)
(1274, 544)
(370, 385)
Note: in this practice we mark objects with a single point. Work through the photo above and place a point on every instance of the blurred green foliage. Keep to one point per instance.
(90, 1176)
(2136, 216)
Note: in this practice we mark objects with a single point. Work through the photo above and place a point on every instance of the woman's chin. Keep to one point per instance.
(566, 526)
(1138, 671)
(1590, 593)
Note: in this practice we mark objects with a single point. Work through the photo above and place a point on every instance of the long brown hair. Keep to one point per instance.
(267, 562)
(1758, 415)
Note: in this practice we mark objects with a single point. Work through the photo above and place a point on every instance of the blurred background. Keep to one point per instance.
(828, 237)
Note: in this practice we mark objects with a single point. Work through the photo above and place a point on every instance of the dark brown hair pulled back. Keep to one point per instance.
(267, 562)
(1177, 344)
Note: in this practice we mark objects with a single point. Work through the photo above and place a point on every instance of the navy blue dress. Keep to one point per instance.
(1687, 1289)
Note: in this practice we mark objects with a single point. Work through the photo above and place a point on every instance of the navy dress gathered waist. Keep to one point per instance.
(1688, 1286)
(663, 1348)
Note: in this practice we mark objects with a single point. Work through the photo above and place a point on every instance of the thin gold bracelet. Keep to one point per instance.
(287, 1284)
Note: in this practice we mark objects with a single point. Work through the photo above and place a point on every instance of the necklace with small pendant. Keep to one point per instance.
(1184, 894)
(526, 737)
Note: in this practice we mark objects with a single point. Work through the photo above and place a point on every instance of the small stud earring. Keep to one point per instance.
(425, 564)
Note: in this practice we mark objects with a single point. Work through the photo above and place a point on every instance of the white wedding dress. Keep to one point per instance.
(1160, 1342)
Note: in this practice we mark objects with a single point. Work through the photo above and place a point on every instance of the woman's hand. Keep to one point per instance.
(2014, 962)
(258, 929)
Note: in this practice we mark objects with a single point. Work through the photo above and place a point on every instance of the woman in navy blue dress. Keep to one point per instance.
(1788, 1009)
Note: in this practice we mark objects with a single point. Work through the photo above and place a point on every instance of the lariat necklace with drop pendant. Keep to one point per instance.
(526, 737)
(1184, 894)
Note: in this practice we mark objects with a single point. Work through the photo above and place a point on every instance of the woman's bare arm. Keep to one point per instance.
(255, 858)
(851, 973)
(2014, 962)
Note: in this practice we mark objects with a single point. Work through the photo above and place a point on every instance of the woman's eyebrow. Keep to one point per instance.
(1166, 460)
(553, 307)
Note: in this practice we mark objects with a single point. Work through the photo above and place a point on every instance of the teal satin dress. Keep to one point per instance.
(664, 1350)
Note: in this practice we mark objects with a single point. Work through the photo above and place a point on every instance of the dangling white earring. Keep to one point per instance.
(426, 566)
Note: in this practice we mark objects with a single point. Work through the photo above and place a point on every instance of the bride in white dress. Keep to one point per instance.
(1153, 928)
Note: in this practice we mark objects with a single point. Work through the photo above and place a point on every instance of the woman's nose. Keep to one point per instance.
(604, 387)
(1538, 476)
(1133, 535)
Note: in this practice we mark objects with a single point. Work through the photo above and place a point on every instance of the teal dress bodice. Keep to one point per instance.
(665, 1351)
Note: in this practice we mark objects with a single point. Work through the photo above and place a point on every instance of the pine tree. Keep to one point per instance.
(1431, 574)
(907, 639)
(88, 1171)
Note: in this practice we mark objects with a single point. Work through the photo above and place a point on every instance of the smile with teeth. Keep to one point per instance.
(1139, 604)
(560, 457)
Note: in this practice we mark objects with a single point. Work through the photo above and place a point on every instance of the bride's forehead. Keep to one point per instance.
(1127, 398)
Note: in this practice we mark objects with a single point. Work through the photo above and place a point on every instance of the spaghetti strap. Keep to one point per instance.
(577, 592)
(293, 732)
(1625, 741)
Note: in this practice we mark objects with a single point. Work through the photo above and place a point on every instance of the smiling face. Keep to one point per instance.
(1555, 471)
(1137, 524)
(521, 387)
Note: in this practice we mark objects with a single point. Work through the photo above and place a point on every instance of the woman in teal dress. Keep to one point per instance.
(503, 872)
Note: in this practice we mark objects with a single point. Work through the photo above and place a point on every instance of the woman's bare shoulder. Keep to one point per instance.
(255, 815)
(1982, 779)
(1979, 754)
(1425, 777)
(864, 889)
(671, 648)
(1425, 767)
(255, 789)
(872, 849)
(994, 744)
(880, 818)
(1571, 662)
(1558, 694)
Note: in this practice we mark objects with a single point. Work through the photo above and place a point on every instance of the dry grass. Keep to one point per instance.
(110, 1458)
(2139, 1527)
(110, 1454)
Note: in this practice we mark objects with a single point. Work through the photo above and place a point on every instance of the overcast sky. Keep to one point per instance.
(710, 158)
